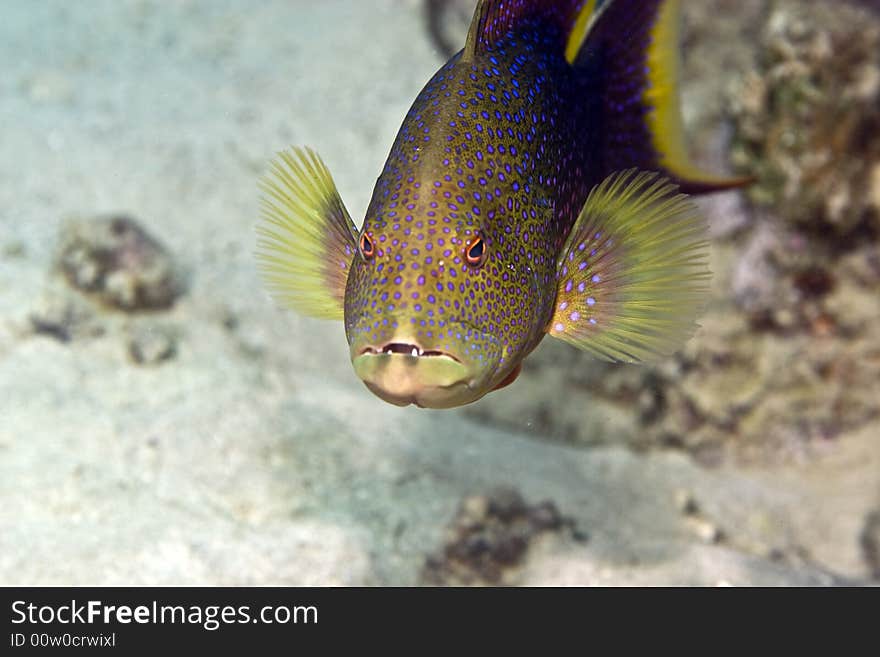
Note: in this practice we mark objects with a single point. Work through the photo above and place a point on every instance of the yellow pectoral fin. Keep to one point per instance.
(633, 276)
(306, 239)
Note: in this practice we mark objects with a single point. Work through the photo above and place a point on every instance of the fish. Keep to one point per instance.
(539, 186)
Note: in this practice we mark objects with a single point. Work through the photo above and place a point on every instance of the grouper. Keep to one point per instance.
(538, 186)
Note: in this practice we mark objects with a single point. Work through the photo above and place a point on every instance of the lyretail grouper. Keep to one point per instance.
(536, 187)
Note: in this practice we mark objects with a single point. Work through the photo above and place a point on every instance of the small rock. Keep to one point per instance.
(686, 503)
(650, 403)
(473, 510)
(151, 345)
(115, 260)
(705, 530)
(507, 504)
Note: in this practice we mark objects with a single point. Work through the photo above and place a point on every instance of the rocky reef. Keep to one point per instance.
(489, 539)
(807, 119)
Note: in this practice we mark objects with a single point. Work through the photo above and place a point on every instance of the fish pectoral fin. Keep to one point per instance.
(306, 239)
(633, 276)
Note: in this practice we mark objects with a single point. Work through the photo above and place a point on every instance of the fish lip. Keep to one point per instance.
(418, 400)
(407, 349)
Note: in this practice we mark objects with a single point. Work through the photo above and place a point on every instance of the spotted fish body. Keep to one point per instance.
(474, 155)
(511, 206)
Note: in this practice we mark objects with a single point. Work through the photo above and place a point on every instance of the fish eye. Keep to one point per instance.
(367, 249)
(475, 251)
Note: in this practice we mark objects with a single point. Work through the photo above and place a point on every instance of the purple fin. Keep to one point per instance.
(632, 52)
(495, 19)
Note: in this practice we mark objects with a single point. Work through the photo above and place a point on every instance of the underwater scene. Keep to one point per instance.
(440, 293)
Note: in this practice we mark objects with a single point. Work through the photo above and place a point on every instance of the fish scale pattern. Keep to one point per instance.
(490, 148)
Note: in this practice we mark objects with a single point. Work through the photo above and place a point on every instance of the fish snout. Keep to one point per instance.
(404, 370)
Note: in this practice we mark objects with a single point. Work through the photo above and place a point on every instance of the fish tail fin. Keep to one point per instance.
(631, 47)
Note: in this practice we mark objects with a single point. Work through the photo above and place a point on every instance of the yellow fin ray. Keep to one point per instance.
(306, 239)
(633, 275)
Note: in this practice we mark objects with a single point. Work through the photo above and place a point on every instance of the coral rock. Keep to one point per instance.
(490, 537)
(807, 118)
(119, 263)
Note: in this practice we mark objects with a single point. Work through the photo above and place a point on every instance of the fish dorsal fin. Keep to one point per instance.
(495, 19)
(306, 239)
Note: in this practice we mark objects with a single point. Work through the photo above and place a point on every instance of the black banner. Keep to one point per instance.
(133, 620)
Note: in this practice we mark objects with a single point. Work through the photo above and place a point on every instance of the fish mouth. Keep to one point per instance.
(407, 349)
(403, 373)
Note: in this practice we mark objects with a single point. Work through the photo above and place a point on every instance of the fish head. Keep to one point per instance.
(430, 314)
